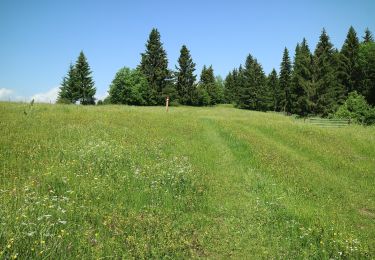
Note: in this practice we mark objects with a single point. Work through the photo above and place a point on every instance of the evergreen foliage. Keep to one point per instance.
(368, 36)
(185, 77)
(78, 85)
(69, 90)
(350, 72)
(367, 64)
(84, 81)
(208, 83)
(274, 88)
(285, 82)
(302, 89)
(329, 92)
(154, 65)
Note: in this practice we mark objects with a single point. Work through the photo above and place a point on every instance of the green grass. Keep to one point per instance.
(137, 182)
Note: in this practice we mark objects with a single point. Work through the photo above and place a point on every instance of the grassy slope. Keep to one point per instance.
(196, 182)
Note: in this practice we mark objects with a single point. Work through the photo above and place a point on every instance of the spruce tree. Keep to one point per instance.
(185, 77)
(229, 88)
(207, 81)
(69, 90)
(350, 72)
(329, 92)
(246, 92)
(285, 82)
(84, 81)
(154, 65)
(302, 88)
(368, 36)
(274, 88)
(263, 101)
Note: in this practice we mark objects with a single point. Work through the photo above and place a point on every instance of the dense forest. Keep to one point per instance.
(326, 82)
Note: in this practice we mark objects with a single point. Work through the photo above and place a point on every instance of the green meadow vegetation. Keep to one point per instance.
(95, 182)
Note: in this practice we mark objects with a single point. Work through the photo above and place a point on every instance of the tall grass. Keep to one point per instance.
(137, 182)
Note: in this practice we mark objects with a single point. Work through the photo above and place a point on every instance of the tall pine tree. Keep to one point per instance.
(285, 82)
(69, 90)
(207, 81)
(350, 71)
(84, 81)
(274, 88)
(154, 65)
(185, 77)
(302, 88)
(329, 92)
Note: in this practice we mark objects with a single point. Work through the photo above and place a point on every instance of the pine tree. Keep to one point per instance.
(301, 90)
(185, 77)
(350, 72)
(207, 81)
(368, 36)
(263, 100)
(246, 91)
(84, 81)
(229, 88)
(274, 88)
(329, 93)
(154, 65)
(285, 82)
(68, 91)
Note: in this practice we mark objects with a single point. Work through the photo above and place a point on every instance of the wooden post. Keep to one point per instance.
(167, 103)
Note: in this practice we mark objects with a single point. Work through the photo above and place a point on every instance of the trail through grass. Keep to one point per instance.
(118, 181)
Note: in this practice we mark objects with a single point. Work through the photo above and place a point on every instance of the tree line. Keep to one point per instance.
(314, 83)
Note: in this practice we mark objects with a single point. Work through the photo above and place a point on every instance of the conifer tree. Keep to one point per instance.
(329, 93)
(207, 81)
(285, 82)
(367, 64)
(302, 88)
(274, 88)
(154, 65)
(350, 72)
(368, 36)
(84, 81)
(229, 88)
(246, 91)
(68, 91)
(185, 77)
(263, 99)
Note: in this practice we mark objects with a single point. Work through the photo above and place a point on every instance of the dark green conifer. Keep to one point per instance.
(302, 88)
(185, 77)
(350, 71)
(69, 91)
(84, 81)
(154, 65)
(274, 88)
(285, 82)
(328, 91)
(368, 36)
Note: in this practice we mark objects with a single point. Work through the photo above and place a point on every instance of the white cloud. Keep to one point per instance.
(46, 97)
(5, 93)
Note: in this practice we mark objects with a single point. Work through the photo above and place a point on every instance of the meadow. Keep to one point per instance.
(95, 182)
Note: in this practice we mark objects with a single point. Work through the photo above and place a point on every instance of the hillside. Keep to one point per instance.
(216, 182)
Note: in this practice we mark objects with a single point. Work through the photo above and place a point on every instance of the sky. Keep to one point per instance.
(39, 39)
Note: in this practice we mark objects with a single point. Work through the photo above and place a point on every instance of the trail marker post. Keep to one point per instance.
(167, 104)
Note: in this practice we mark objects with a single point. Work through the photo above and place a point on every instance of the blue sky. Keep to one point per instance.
(39, 39)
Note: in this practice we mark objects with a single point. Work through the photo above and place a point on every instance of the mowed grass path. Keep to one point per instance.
(137, 182)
